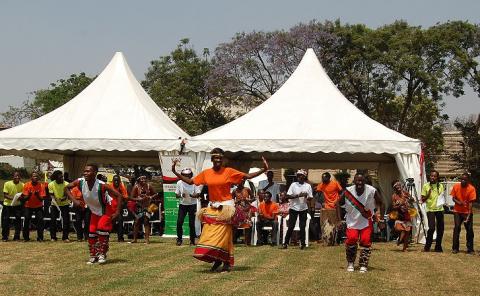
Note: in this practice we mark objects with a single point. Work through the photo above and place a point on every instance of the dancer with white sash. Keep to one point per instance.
(360, 201)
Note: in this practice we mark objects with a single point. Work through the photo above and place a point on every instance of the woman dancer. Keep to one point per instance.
(216, 243)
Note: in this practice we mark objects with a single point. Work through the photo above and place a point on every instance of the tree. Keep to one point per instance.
(468, 158)
(177, 83)
(61, 92)
(394, 74)
(46, 100)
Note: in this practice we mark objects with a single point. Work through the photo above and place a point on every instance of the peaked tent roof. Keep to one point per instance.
(307, 114)
(112, 113)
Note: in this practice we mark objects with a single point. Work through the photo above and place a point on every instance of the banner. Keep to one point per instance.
(170, 201)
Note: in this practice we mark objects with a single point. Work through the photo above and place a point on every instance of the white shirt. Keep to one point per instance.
(274, 189)
(92, 198)
(353, 217)
(299, 203)
(186, 191)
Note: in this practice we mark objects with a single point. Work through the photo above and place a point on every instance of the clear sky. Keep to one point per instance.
(42, 41)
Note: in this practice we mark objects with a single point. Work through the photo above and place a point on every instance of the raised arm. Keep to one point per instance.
(258, 173)
(181, 177)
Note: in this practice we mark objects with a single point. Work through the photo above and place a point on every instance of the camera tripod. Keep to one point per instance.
(412, 191)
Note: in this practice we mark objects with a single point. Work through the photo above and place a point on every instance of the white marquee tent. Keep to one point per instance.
(112, 121)
(309, 123)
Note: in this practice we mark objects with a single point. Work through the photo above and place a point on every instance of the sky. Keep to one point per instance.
(43, 41)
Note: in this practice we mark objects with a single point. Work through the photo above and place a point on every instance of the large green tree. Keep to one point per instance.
(46, 100)
(177, 83)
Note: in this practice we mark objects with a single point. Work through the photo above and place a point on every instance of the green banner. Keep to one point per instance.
(171, 211)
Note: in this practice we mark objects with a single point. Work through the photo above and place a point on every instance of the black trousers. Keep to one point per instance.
(458, 220)
(262, 234)
(82, 222)
(292, 220)
(183, 210)
(435, 222)
(54, 213)
(119, 223)
(7, 212)
(28, 212)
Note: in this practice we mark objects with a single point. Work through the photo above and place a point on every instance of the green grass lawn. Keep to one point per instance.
(161, 268)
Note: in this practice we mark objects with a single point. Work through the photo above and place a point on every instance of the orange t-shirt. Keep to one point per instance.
(35, 194)
(465, 194)
(121, 189)
(219, 182)
(269, 211)
(78, 195)
(330, 191)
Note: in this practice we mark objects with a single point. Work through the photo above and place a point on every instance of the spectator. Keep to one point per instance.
(431, 192)
(463, 195)
(60, 206)
(33, 194)
(297, 194)
(267, 216)
(242, 203)
(118, 185)
(260, 198)
(82, 215)
(188, 195)
(330, 190)
(270, 186)
(12, 189)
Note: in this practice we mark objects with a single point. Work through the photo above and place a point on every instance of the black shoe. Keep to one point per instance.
(26, 240)
(284, 246)
(471, 252)
(454, 251)
(16, 238)
(302, 247)
(426, 250)
(4, 240)
(179, 242)
(439, 250)
(121, 240)
(215, 266)
(39, 239)
(192, 243)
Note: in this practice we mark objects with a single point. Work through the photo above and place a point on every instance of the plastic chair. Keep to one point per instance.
(297, 227)
(268, 228)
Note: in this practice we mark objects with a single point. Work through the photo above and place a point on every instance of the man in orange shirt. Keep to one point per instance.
(463, 195)
(328, 217)
(118, 185)
(267, 216)
(330, 190)
(33, 193)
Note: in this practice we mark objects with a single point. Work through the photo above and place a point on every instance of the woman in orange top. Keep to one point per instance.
(216, 242)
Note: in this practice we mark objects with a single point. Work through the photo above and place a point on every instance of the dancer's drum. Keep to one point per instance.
(328, 221)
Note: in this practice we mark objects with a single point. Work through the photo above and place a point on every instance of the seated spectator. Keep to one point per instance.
(284, 206)
(243, 204)
(267, 216)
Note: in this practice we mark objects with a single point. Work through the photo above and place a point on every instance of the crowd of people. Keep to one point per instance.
(235, 207)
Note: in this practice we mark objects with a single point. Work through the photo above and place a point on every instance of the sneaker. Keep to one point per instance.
(102, 259)
(363, 269)
(350, 267)
(92, 260)
(284, 246)
(179, 242)
(4, 240)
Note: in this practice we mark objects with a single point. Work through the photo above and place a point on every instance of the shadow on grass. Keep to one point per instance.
(116, 260)
(234, 269)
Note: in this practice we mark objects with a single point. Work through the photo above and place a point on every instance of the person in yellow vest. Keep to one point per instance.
(60, 206)
(10, 208)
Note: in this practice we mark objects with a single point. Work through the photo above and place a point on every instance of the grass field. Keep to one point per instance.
(161, 268)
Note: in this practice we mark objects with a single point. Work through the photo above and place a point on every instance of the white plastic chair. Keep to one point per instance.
(269, 228)
(297, 227)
